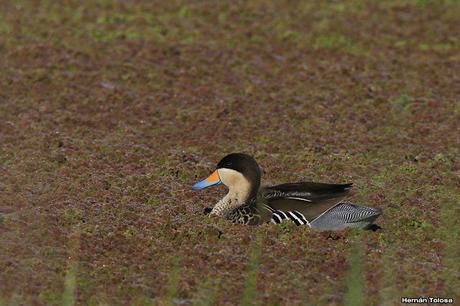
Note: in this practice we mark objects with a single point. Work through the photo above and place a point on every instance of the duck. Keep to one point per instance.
(320, 206)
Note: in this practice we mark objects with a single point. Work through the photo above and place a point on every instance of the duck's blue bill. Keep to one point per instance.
(212, 180)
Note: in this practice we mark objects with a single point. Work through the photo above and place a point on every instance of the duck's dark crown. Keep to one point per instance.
(244, 164)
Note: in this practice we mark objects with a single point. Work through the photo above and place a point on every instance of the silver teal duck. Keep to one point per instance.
(317, 205)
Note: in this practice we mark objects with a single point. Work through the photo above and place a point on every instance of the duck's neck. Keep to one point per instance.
(234, 199)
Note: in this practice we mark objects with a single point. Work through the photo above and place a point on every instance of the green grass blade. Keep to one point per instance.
(354, 280)
(68, 296)
(449, 234)
(251, 274)
(172, 287)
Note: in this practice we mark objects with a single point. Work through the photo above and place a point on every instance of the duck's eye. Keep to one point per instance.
(227, 165)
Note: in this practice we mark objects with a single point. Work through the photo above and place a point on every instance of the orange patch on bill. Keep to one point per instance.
(213, 177)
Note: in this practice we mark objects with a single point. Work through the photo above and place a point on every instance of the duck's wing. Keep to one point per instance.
(307, 198)
(347, 215)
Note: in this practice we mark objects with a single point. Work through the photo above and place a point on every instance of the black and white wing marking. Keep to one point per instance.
(299, 219)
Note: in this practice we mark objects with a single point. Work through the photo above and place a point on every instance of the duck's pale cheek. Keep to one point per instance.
(230, 177)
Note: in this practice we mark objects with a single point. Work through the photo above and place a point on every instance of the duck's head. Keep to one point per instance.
(239, 172)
